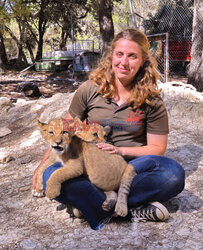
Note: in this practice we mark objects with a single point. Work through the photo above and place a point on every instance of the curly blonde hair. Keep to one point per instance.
(144, 85)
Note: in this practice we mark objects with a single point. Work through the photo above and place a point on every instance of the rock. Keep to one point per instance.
(34, 223)
(29, 89)
(5, 103)
(4, 131)
(6, 159)
(57, 108)
(28, 244)
(28, 142)
(5, 156)
(26, 160)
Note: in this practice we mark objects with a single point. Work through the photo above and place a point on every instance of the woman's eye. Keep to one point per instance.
(119, 54)
(133, 56)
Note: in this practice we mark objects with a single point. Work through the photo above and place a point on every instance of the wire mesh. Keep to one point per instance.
(174, 17)
(162, 16)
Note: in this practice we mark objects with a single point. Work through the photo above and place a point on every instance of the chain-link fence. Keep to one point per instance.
(173, 18)
(85, 45)
(168, 25)
(86, 54)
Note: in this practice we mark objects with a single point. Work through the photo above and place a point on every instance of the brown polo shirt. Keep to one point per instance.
(128, 126)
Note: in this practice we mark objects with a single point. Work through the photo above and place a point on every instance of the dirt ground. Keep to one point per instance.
(27, 222)
(49, 83)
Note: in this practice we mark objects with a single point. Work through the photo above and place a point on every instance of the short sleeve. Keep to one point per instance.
(157, 118)
(79, 104)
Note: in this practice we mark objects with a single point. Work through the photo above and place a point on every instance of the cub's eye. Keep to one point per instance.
(65, 132)
(51, 132)
(95, 134)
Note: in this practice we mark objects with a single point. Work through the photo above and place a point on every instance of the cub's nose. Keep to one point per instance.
(58, 141)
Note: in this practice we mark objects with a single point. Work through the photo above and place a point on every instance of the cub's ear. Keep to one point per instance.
(107, 129)
(78, 121)
(78, 124)
(67, 125)
(41, 125)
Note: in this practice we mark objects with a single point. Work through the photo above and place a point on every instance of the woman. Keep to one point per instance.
(122, 92)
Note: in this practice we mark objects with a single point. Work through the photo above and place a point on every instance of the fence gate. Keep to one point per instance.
(159, 50)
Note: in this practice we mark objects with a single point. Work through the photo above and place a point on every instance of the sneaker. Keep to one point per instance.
(153, 211)
(73, 212)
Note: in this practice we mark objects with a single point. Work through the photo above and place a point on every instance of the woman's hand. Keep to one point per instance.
(110, 148)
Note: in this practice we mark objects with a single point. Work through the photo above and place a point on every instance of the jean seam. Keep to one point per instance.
(146, 173)
(140, 179)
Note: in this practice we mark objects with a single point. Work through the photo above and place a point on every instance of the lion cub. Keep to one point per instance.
(72, 143)
(60, 135)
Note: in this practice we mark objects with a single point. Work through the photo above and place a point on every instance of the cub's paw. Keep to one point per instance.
(108, 204)
(38, 194)
(121, 209)
(52, 191)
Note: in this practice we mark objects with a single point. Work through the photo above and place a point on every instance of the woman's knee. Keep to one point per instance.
(176, 176)
(47, 173)
(165, 172)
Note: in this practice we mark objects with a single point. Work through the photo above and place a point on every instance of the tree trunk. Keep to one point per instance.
(41, 30)
(30, 51)
(64, 37)
(106, 22)
(40, 46)
(21, 55)
(3, 55)
(195, 72)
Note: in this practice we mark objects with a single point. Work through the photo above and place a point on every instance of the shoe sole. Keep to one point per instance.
(162, 209)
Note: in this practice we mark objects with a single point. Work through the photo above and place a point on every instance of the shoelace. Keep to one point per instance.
(143, 214)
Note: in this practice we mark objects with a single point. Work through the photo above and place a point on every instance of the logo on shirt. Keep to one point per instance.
(135, 117)
(132, 123)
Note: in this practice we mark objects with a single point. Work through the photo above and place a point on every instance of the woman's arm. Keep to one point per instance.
(69, 117)
(156, 145)
(45, 157)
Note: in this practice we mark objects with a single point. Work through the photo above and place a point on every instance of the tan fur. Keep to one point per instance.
(54, 134)
(106, 171)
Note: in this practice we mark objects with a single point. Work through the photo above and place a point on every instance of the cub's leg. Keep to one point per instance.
(72, 169)
(124, 189)
(38, 191)
(109, 203)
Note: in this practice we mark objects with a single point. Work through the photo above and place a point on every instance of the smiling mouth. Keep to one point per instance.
(123, 69)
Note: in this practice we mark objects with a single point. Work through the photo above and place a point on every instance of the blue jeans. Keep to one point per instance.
(158, 179)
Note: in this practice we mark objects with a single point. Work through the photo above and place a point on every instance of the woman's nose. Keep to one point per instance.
(124, 60)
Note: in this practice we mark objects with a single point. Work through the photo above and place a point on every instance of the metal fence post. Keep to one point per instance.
(72, 37)
(167, 58)
(133, 17)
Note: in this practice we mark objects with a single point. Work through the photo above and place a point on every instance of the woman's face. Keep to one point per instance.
(126, 61)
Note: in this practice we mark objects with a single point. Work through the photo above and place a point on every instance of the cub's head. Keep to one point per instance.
(93, 132)
(55, 134)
